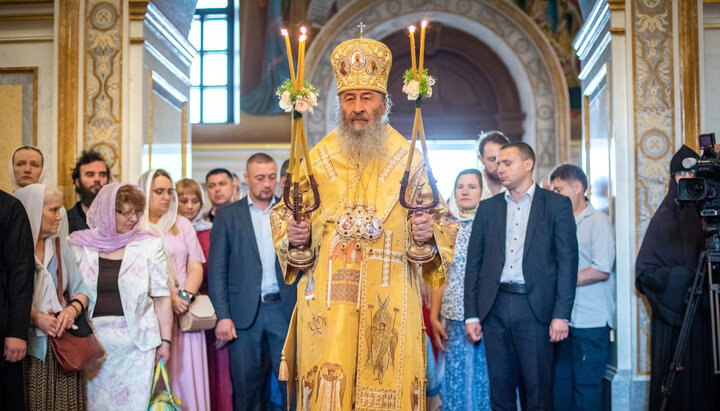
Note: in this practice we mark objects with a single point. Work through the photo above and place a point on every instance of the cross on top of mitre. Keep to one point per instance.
(361, 26)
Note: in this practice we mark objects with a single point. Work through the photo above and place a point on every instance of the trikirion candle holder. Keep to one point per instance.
(418, 85)
(298, 96)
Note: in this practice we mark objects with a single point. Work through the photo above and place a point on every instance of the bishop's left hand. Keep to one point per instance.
(422, 227)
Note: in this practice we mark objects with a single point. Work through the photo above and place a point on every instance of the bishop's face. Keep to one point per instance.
(362, 108)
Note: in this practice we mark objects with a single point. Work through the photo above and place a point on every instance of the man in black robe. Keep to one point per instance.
(17, 274)
(664, 270)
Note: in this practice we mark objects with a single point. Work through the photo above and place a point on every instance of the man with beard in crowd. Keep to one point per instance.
(357, 333)
(91, 173)
(488, 150)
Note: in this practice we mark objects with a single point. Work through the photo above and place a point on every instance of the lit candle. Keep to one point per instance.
(289, 54)
(423, 24)
(301, 62)
(411, 29)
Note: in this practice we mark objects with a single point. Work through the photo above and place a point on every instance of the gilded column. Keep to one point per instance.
(689, 71)
(68, 53)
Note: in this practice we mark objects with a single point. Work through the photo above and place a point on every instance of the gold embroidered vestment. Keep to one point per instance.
(356, 338)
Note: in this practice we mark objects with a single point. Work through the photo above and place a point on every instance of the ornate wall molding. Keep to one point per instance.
(616, 4)
(137, 9)
(103, 80)
(652, 64)
(170, 36)
(527, 44)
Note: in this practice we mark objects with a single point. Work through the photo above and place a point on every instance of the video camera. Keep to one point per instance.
(704, 188)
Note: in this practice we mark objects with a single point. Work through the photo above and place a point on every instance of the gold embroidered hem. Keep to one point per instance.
(357, 340)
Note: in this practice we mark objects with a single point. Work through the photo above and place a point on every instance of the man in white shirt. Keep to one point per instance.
(520, 281)
(581, 359)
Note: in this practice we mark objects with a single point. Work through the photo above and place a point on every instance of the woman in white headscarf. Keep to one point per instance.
(27, 166)
(188, 368)
(464, 383)
(46, 387)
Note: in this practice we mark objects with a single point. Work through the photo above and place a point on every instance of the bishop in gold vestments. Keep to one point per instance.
(356, 339)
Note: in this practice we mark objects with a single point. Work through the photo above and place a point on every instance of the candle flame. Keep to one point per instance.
(303, 29)
(424, 23)
(411, 29)
(303, 37)
(284, 32)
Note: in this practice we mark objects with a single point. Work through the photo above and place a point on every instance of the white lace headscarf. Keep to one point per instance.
(164, 223)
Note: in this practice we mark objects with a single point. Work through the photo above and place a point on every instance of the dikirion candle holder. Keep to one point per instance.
(418, 86)
(298, 96)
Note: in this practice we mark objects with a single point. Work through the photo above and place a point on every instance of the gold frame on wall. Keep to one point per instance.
(34, 71)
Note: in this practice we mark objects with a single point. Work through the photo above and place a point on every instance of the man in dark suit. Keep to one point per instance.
(520, 281)
(252, 302)
(17, 275)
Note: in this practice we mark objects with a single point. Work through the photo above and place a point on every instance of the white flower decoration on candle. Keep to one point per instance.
(412, 89)
(422, 87)
(285, 102)
(302, 100)
(301, 106)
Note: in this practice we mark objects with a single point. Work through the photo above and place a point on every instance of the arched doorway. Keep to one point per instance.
(474, 92)
(497, 24)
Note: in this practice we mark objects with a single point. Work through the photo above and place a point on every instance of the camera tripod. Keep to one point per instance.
(708, 264)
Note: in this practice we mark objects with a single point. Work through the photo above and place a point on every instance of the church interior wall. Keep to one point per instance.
(154, 87)
(28, 46)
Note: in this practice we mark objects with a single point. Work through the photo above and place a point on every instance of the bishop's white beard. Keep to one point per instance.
(363, 144)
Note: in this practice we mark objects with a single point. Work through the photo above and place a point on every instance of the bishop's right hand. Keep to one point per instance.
(298, 232)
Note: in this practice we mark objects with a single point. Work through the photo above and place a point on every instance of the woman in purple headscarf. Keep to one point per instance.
(125, 270)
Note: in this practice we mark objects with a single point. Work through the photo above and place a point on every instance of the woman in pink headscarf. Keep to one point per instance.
(125, 271)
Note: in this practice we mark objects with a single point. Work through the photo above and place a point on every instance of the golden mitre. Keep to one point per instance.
(361, 64)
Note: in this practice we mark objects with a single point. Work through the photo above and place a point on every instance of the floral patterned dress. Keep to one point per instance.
(123, 378)
(464, 381)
